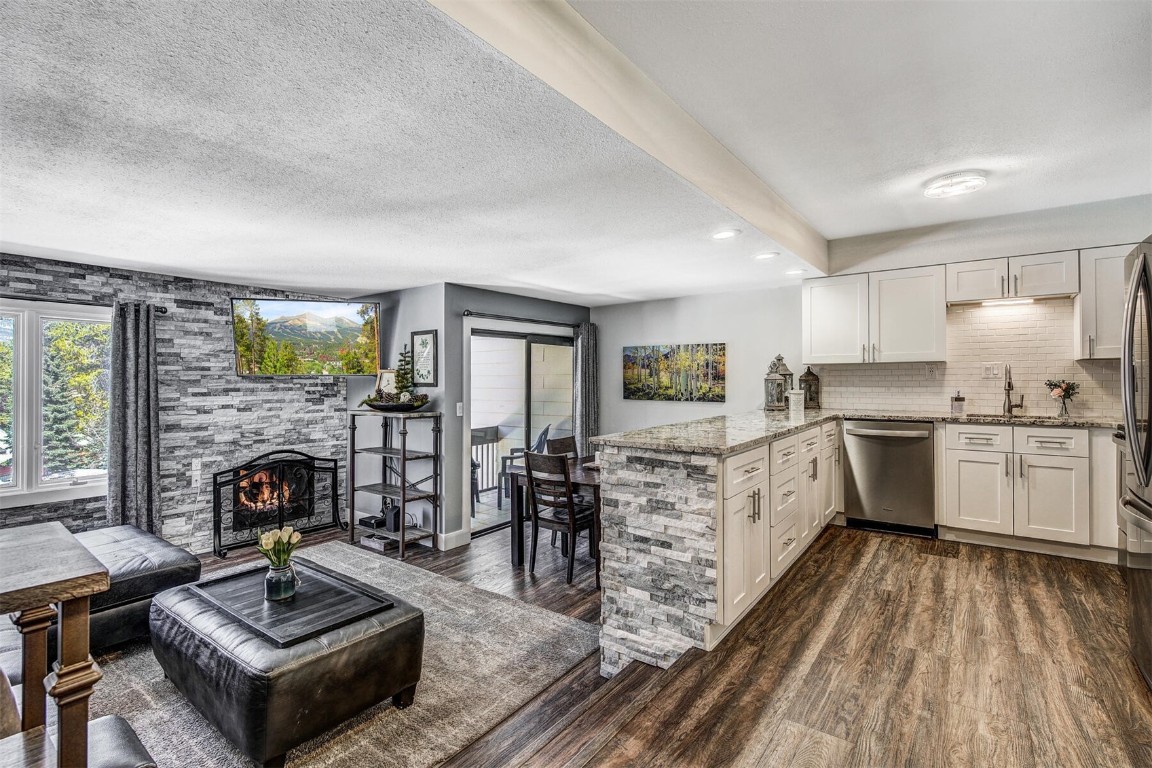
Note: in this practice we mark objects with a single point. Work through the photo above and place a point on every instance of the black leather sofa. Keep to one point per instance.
(139, 565)
(267, 700)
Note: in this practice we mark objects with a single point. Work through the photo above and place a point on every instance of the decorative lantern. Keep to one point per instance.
(780, 367)
(810, 383)
(774, 391)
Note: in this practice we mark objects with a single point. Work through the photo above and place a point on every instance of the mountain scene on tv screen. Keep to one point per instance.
(284, 338)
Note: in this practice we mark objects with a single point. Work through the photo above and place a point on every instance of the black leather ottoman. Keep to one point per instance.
(139, 565)
(267, 700)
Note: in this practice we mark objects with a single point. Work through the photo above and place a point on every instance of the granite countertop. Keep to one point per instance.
(725, 435)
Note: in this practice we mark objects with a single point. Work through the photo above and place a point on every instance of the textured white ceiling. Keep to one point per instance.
(847, 108)
(337, 147)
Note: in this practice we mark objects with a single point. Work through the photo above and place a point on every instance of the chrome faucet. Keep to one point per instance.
(1010, 406)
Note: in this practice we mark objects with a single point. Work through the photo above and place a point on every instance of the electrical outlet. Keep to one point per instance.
(195, 478)
(991, 370)
(932, 370)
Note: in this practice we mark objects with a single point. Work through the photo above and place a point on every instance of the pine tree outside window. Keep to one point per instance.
(54, 401)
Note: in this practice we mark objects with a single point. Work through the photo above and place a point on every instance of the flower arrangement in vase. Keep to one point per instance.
(1063, 391)
(277, 545)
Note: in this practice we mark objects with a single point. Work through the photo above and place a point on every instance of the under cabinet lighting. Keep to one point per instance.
(953, 184)
(725, 234)
(1004, 302)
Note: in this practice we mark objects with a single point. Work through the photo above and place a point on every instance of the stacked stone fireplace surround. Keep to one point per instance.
(207, 412)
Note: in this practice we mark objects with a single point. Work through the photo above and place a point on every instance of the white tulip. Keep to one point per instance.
(295, 538)
(286, 533)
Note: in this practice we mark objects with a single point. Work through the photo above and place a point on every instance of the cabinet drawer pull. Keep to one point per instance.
(789, 542)
(1057, 443)
(810, 443)
(752, 470)
(786, 494)
(987, 440)
(786, 454)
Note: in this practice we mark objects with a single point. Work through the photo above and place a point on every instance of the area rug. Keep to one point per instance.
(485, 655)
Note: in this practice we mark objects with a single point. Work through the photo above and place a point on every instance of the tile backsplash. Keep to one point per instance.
(1035, 339)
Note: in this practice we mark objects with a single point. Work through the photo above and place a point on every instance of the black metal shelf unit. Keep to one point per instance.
(397, 488)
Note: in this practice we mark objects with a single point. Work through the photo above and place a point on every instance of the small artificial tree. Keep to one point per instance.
(404, 373)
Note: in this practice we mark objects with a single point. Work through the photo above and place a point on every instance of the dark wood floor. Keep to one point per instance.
(876, 650)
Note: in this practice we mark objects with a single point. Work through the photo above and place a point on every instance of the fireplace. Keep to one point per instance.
(271, 491)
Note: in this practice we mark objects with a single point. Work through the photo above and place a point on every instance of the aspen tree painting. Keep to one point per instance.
(684, 372)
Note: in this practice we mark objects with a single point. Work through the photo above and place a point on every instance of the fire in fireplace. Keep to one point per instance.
(271, 491)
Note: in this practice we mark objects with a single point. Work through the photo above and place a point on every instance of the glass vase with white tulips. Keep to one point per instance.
(277, 545)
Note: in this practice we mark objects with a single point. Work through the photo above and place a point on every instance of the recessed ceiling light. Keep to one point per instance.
(953, 184)
(766, 256)
(795, 271)
(725, 234)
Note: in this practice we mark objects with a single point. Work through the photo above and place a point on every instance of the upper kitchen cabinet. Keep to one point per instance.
(1099, 312)
(907, 315)
(1044, 274)
(882, 317)
(977, 280)
(834, 326)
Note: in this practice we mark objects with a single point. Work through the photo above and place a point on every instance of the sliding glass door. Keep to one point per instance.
(521, 394)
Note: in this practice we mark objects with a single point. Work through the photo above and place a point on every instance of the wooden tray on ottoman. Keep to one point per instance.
(324, 601)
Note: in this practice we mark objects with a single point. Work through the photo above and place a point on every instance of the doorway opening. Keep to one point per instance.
(520, 394)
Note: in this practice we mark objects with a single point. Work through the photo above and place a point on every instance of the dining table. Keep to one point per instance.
(584, 474)
(41, 566)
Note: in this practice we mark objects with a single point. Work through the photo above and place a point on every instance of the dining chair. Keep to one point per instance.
(552, 505)
(566, 447)
(503, 483)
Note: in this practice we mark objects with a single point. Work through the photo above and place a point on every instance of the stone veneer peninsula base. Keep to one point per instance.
(701, 519)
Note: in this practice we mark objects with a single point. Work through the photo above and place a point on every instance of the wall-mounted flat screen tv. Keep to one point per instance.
(281, 337)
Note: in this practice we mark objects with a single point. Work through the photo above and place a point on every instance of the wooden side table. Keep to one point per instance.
(42, 565)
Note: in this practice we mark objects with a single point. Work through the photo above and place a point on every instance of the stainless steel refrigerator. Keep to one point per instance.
(1134, 513)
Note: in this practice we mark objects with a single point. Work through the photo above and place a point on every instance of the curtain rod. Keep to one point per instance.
(488, 316)
(160, 310)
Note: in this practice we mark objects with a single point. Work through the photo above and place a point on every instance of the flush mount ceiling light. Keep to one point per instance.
(766, 256)
(795, 271)
(953, 184)
(725, 234)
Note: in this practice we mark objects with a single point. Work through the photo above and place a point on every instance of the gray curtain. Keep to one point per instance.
(134, 434)
(587, 395)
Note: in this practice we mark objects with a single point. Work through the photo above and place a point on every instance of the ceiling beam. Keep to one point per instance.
(553, 42)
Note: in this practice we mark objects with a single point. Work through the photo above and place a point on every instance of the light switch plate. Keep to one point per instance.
(991, 370)
(459, 409)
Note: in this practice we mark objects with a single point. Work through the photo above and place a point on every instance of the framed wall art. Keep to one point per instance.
(424, 358)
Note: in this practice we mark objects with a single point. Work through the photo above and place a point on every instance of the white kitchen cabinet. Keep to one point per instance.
(1099, 309)
(809, 472)
(739, 539)
(829, 469)
(977, 280)
(907, 314)
(979, 491)
(787, 543)
(1044, 274)
(834, 321)
(1051, 499)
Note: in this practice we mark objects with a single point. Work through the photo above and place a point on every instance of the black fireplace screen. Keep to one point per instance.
(271, 491)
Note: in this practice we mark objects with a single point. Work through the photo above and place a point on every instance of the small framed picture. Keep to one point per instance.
(424, 358)
(386, 380)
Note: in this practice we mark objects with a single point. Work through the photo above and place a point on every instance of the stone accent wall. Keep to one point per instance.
(658, 555)
(206, 410)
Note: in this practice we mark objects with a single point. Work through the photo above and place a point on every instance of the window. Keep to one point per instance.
(54, 401)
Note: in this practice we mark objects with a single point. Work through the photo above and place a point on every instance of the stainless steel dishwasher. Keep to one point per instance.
(889, 483)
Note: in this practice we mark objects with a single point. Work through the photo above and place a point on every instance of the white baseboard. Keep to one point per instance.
(453, 540)
(1076, 551)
